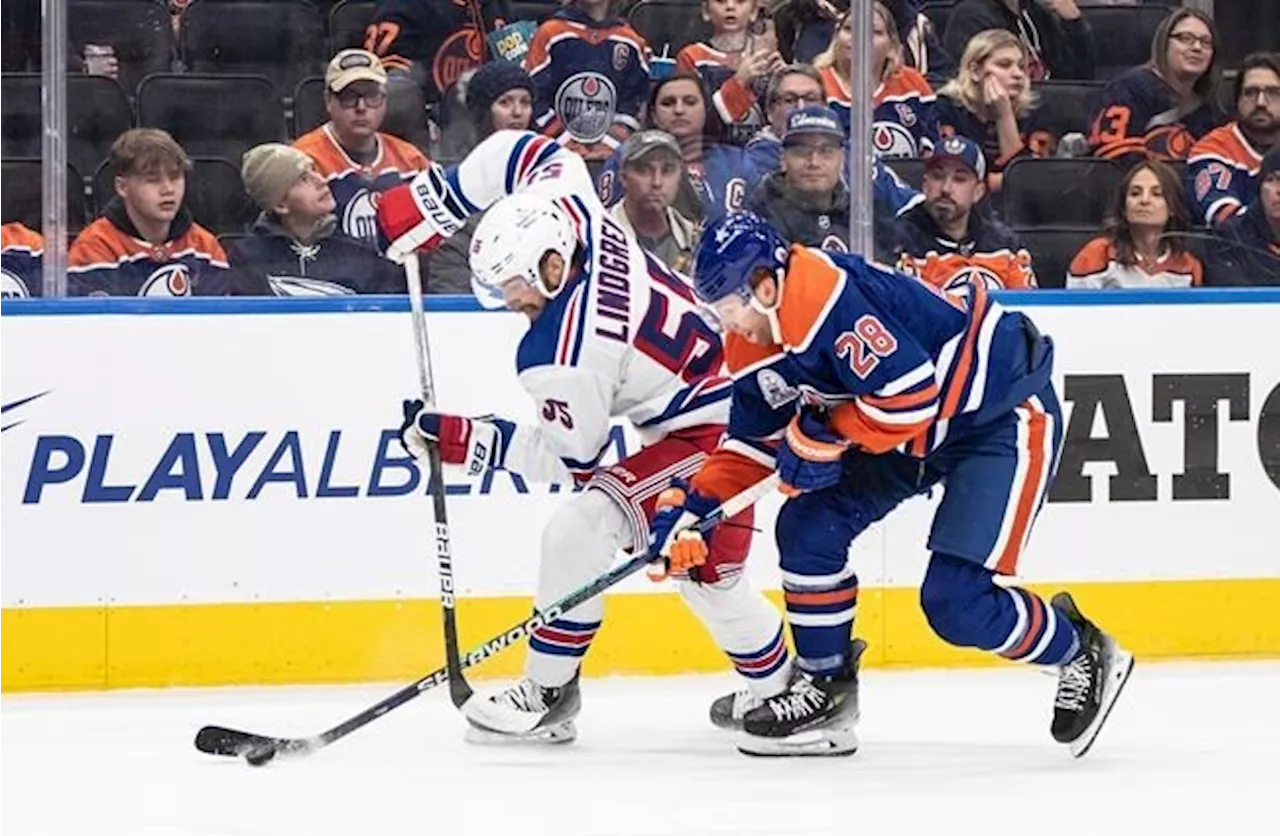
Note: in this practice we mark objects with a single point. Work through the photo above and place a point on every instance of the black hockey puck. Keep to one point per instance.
(260, 756)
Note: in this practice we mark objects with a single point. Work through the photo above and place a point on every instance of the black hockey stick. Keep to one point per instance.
(459, 689)
(258, 749)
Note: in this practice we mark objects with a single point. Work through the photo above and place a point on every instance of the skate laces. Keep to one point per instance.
(1073, 683)
(525, 695)
(744, 701)
(803, 699)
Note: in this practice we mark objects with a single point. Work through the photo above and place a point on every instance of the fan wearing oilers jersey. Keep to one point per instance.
(863, 387)
(613, 334)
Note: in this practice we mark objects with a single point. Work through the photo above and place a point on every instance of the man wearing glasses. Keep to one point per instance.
(790, 87)
(1223, 170)
(349, 150)
(805, 200)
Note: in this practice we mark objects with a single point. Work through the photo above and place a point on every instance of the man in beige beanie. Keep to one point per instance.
(296, 247)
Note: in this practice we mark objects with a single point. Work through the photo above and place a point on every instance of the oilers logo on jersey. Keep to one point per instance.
(12, 286)
(586, 103)
(169, 280)
(893, 140)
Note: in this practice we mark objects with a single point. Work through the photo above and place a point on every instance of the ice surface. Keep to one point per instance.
(1191, 748)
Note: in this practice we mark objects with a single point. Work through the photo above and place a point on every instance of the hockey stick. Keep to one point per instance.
(459, 689)
(259, 749)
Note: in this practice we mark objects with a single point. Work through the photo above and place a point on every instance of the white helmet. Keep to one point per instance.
(511, 239)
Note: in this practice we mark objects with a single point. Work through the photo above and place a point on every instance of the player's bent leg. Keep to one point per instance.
(578, 543)
(749, 630)
(966, 608)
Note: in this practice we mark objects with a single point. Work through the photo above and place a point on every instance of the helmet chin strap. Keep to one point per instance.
(770, 313)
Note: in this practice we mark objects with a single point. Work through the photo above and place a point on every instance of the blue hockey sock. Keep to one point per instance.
(820, 611)
(966, 608)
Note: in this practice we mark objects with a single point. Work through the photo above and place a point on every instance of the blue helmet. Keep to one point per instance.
(730, 251)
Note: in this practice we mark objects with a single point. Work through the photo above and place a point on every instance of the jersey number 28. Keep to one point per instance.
(865, 345)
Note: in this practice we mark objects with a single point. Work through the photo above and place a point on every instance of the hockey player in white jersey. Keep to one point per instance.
(613, 334)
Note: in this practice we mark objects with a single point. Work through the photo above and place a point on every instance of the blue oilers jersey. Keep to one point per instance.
(897, 364)
(591, 80)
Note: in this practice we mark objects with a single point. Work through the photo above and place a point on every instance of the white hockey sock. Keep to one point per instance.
(747, 627)
(579, 543)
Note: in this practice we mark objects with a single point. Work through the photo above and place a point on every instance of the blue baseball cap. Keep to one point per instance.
(963, 150)
(812, 120)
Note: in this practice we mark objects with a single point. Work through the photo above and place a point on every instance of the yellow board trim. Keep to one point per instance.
(68, 648)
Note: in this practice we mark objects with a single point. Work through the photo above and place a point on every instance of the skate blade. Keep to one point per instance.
(547, 735)
(814, 743)
(1119, 666)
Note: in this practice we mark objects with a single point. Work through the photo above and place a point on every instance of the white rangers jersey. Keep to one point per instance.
(624, 338)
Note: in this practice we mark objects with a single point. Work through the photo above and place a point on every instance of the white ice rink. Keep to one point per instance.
(1191, 748)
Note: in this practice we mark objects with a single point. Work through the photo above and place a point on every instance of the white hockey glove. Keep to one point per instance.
(419, 215)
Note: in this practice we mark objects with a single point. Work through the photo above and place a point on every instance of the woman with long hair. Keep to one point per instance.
(1161, 108)
(990, 102)
(717, 174)
(1143, 244)
(903, 100)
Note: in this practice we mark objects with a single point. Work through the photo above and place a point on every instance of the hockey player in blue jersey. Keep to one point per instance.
(879, 387)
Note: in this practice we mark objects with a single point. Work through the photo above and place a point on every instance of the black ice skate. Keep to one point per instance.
(814, 716)
(1089, 684)
(526, 712)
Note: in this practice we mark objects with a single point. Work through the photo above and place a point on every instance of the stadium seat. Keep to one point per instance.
(213, 116)
(22, 194)
(910, 169)
(1122, 35)
(347, 22)
(1052, 248)
(1070, 104)
(669, 24)
(140, 30)
(282, 40)
(97, 112)
(1064, 191)
(215, 194)
(308, 105)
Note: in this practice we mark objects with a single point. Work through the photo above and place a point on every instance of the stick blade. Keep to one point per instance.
(231, 743)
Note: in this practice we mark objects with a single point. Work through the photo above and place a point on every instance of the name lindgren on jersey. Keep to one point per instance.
(624, 338)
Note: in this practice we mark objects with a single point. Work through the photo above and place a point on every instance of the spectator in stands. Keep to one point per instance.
(591, 73)
(717, 175)
(949, 240)
(295, 247)
(499, 97)
(805, 200)
(990, 102)
(652, 167)
(350, 151)
(1160, 109)
(1248, 252)
(1223, 168)
(1055, 34)
(904, 123)
(146, 243)
(792, 86)
(430, 41)
(805, 28)
(1143, 244)
(735, 63)
(21, 261)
